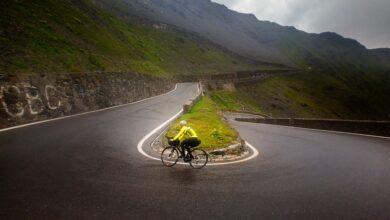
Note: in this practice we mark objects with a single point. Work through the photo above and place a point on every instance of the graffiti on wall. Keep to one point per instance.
(24, 98)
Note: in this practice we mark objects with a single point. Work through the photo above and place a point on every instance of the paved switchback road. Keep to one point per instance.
(304, 174)
(88, 167)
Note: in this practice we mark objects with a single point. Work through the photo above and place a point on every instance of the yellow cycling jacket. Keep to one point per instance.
(185, 132)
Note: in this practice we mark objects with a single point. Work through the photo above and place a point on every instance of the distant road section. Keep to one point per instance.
(88, 167)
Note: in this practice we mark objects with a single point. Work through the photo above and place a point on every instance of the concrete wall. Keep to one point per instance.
(381, 128)
(30, 98)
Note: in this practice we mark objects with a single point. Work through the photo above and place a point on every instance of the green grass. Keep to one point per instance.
(342, 95)
(205, 118)
(78, 36)
(235, 101)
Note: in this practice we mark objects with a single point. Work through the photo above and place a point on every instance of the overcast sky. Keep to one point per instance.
(367, 21)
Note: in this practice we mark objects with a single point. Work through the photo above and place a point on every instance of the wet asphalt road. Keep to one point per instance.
(88, 167)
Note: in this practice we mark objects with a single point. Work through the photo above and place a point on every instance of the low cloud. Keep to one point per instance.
(365, 21)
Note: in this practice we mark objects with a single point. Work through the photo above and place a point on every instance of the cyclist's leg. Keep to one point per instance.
(192, 143)
(186, 145)
(183, 147)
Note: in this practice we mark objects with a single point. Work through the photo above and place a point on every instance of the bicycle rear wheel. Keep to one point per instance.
(169, 156)
(200, 159)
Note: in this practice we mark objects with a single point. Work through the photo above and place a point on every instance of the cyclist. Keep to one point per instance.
(186, 138)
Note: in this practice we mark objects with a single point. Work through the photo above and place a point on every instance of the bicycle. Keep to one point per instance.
(197, 158)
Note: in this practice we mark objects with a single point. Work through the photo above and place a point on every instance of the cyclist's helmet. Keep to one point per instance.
(183, 123)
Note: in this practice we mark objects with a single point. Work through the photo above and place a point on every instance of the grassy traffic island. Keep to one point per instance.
(206, 118)
(218, 138)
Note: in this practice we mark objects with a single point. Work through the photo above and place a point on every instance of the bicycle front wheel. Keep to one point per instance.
(169, 156)
(200, 159)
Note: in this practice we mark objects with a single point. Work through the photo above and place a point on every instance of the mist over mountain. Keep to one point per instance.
(250, 37)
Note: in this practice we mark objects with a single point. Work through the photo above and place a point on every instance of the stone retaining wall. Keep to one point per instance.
(30, 98)
(36, 97)
(239, 78)
(381, 128)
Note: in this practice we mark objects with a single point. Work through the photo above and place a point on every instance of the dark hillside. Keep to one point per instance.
(79, 36)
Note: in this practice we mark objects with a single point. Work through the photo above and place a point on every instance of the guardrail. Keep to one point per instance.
(380, 128)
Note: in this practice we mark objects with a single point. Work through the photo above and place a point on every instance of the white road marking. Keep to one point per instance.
(84, 113)
(254, 155)
(142, 141)
(146, 137)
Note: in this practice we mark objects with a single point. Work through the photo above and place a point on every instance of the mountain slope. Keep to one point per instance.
(382, 53)
(213, 21)
(79, 36)
(337, 77)
(244, 34)
(323, 95)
